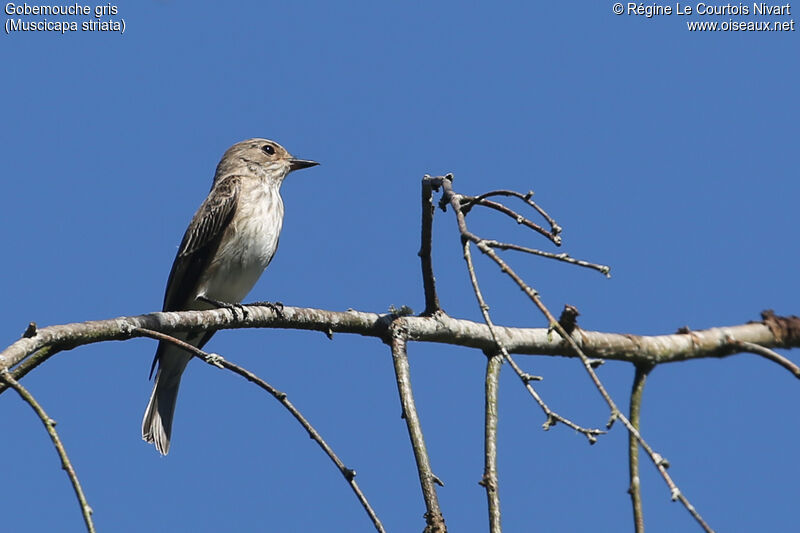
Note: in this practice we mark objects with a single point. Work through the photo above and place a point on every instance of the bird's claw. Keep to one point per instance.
(215, 359)
(225, 305)
(277, 307)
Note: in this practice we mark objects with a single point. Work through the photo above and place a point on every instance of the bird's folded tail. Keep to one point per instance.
(157, 422)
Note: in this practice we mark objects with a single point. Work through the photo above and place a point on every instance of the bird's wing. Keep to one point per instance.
(200, 243)
(198, 247)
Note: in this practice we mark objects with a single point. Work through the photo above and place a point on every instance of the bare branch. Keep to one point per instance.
(633, 446)
(603, 269)
(454, 200)
(519, 219)
(555, 229)
(489, 480)
(428, 279)
(37, 345)
(552, 416)
(219, 362)
(50, 426)
(30, 352)
(434, 520)
(768, 354)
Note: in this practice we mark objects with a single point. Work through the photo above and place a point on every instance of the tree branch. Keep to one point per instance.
(50, 426)
(603, 269)
(489, 481)
(217, 361)
(555, 229)
(434, 520)
(552, 416)
(769, 354)
(455, 199)
(428, 279)
(37, 345)
(29, 352)
(518, 218)
(634, 489)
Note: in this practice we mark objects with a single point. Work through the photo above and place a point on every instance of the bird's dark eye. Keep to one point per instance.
(268, 149)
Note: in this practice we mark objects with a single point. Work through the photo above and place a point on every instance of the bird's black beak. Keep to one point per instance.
(297, 164)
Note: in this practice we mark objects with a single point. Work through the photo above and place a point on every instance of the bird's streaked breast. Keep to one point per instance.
(248, 244)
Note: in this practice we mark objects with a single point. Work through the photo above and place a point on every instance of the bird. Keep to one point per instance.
(229, 242)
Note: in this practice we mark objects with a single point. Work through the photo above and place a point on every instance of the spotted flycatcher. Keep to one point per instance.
(227, 246)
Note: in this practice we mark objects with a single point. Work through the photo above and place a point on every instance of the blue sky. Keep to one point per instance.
(671, 156)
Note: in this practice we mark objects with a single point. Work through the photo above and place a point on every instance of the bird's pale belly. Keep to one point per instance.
(242, 257)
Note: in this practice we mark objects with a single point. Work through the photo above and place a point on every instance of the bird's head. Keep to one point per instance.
(262, 156)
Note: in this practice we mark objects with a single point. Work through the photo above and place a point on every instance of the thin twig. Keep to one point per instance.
(552, 417)
(490, 481)
(454, 199)
(50, 426)
(635, 490)
(434, 520)
(219, 362)
(769, 354)
(603, 269)
(555, 228)
(428, 279)
(518, 218)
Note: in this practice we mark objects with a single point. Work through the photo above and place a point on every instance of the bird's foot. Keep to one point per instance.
(225, 305)
(215, 359)
(277, 307)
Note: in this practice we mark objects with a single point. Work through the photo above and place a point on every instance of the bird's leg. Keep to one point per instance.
(225, 305)
(275, 306)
